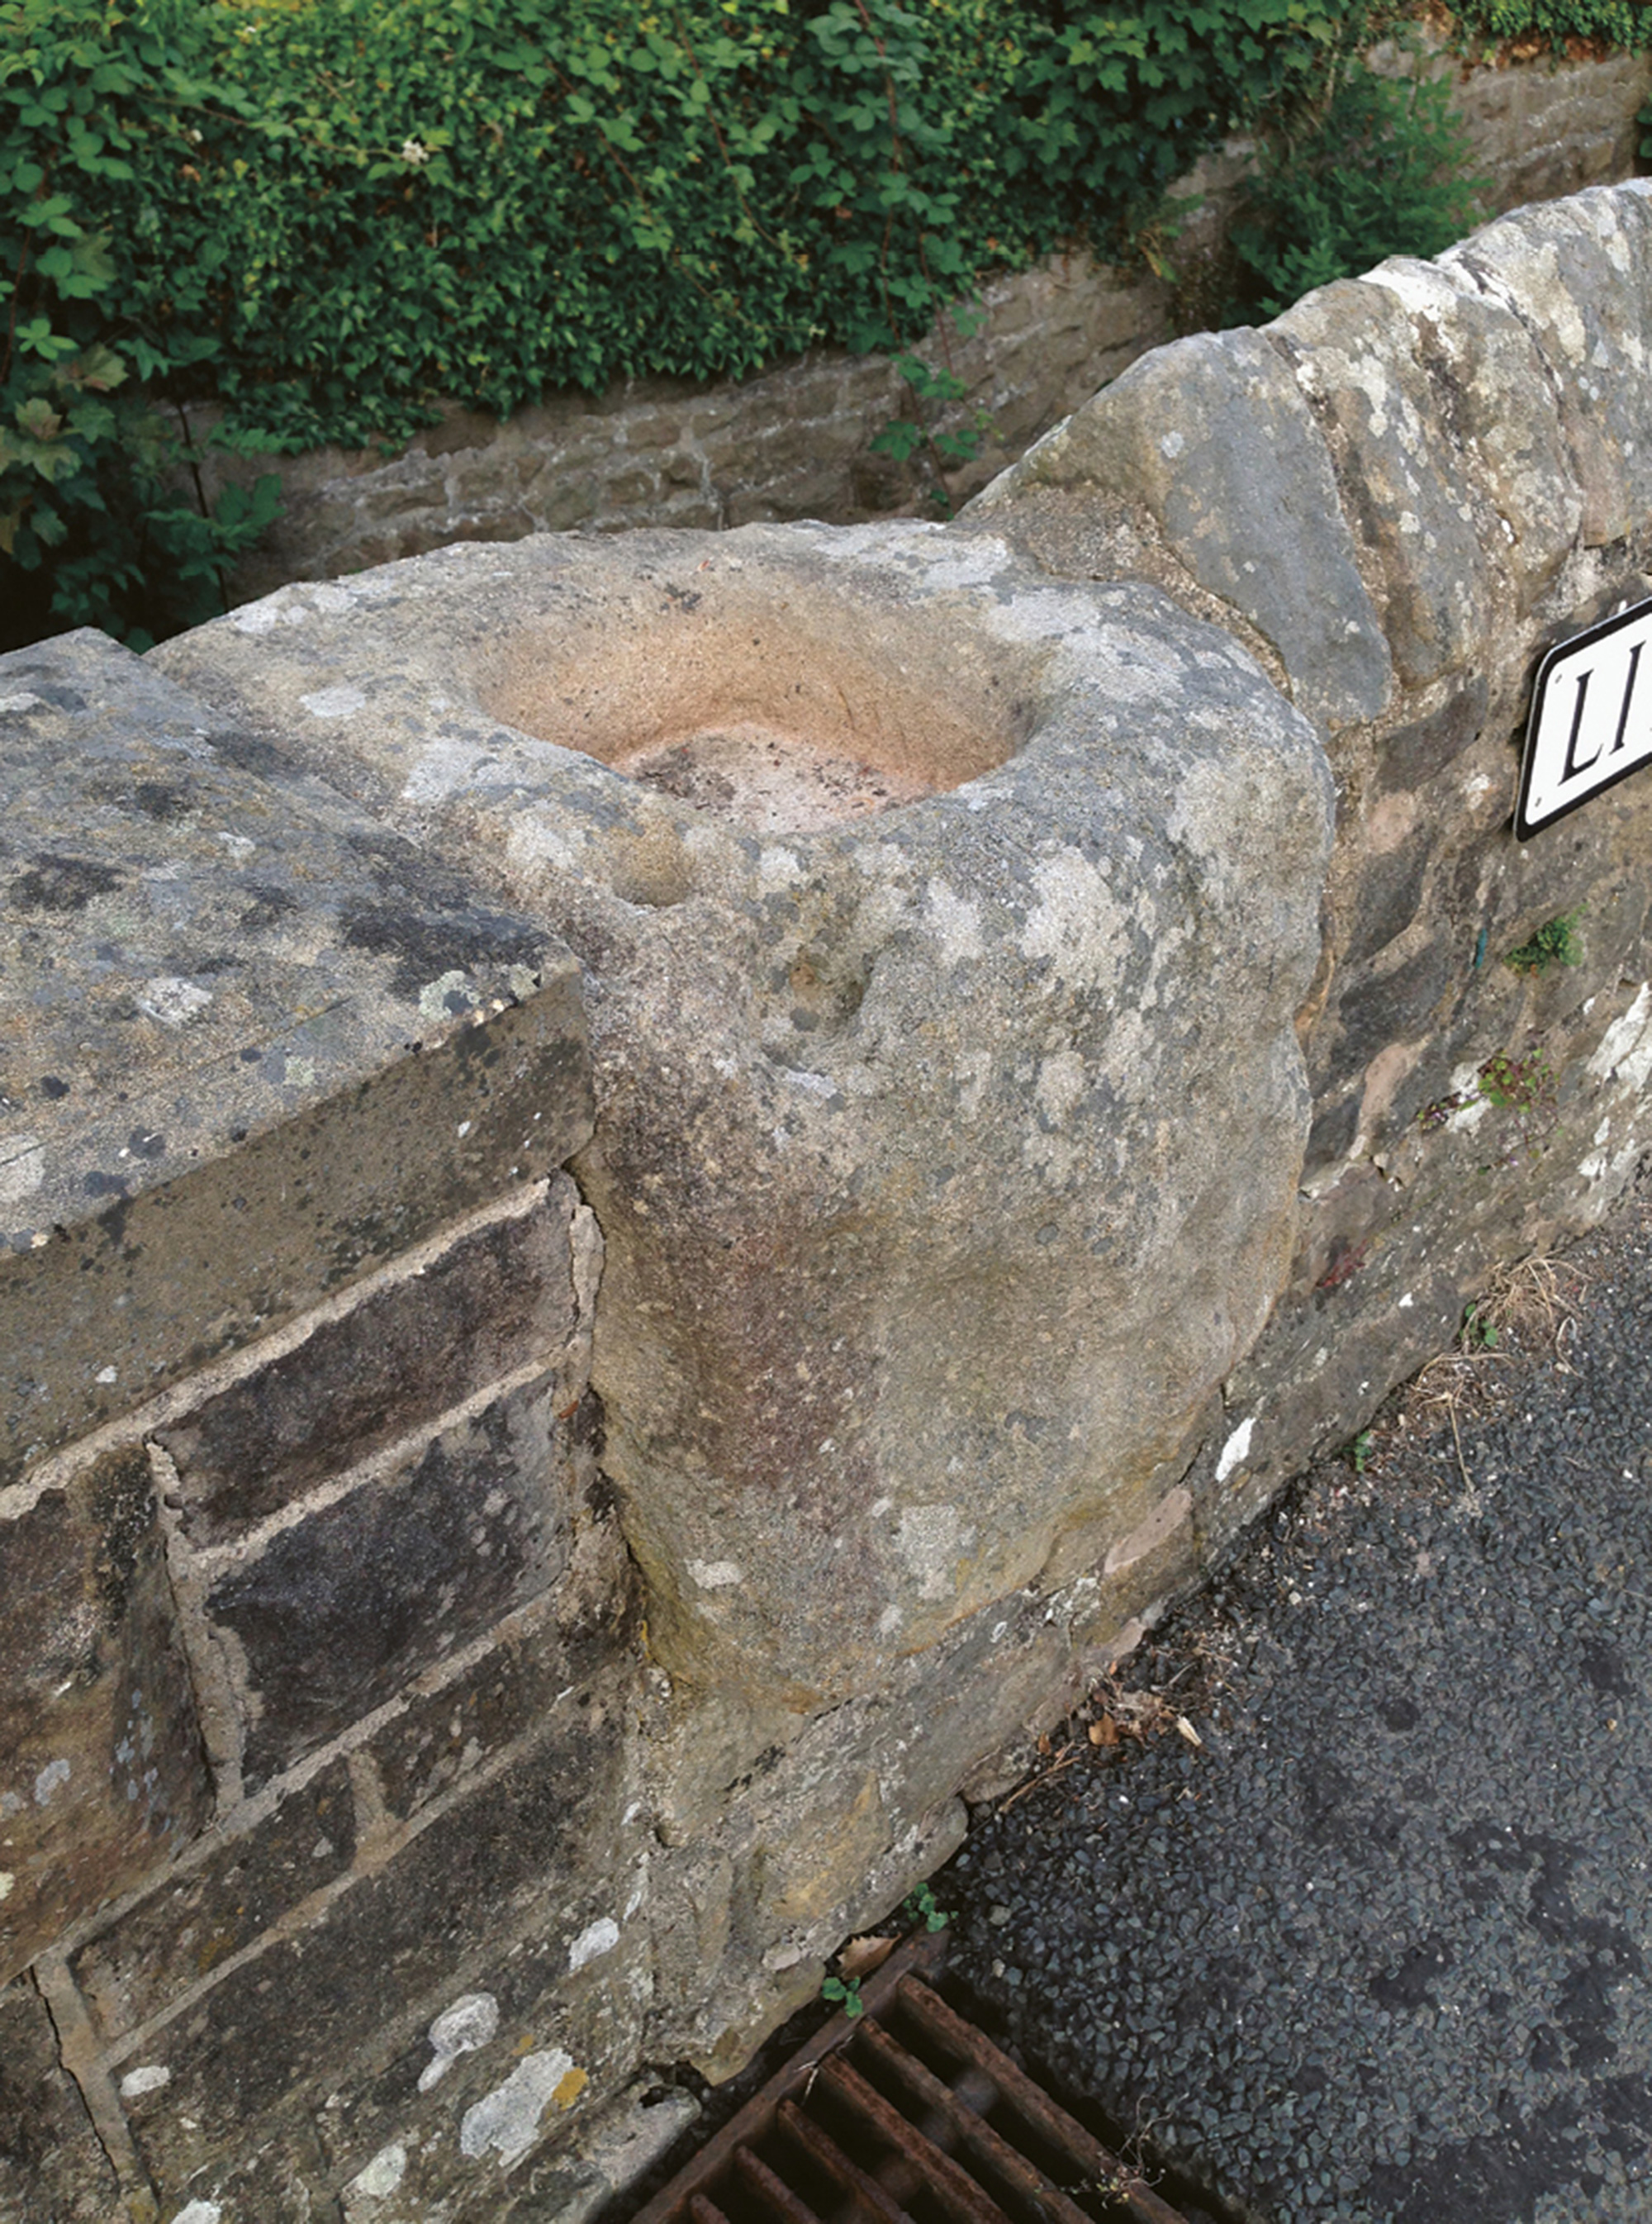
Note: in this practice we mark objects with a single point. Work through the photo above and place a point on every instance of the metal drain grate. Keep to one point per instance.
(907, 2114)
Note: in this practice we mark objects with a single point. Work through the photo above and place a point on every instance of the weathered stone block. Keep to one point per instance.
(770, 1825)
(1213, 436)
(1412, 754)
(631, 489)
(53, 2166)
(271, 2166)
(560, 502)
(1385, 901)
(1402, 473)
(342, 1608)
(606, 2158)
(495, 478)
(692, 513)
(337, 2006)
(102, 1777)
(867, 1075)
(201, 1914)
(1581, 272)
(652, 428)
(404, 490)
(444, 1734)
(1556, 131)
(254, 1046)
(1397, 1004)
(502, 1296)
(486, 2129)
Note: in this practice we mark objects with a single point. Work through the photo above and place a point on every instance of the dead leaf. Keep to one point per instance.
(1106, 1732)
(1140, 1714)
(862, 1956)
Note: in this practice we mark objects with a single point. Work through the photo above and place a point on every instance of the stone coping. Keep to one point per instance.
(233, 1011)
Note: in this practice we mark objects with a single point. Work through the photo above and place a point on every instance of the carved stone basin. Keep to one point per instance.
(762, 709)
(944, 926)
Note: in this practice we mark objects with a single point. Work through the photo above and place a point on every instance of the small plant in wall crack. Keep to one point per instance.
(1479, 1330)
(1518, 1084)
(861, 1956)
(1555, 943)
(1524, 1086)
(919, 1906)
(1357, 1451)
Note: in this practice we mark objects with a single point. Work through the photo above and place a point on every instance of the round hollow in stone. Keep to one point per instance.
(756, 719)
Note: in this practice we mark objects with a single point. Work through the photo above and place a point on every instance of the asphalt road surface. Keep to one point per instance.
(1378, 1947)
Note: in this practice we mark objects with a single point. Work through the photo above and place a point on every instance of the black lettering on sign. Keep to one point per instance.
(1629, 695)
(1573, 768)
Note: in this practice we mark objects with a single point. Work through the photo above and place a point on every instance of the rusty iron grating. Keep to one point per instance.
(906, 2114)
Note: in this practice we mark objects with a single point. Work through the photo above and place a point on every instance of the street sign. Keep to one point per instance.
(1591, 722)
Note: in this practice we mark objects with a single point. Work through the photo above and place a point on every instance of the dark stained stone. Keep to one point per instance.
(341, 1609)
(101, 1776)
(144, 962)
(438, 1737)
(1390, 888)
(502, 1295)
(131, 1972)
(1396, 1006)
(1411, 754)
(332, 1995)
(53, 2167)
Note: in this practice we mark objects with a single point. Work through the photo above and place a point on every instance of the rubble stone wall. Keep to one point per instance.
(1460, 450)
(796, 441)
(408, 1116)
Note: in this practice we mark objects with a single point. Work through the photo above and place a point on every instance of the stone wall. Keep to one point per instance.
(316, 1630)
(1460, 447)
(656, 1186)
(796, 441)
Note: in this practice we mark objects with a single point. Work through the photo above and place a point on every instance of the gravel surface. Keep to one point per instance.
(1378, 1949)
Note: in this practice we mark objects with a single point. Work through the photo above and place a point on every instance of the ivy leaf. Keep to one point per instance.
(92, 421)
(35, 336)
(37, 418)
(97, 369)
(51, 461)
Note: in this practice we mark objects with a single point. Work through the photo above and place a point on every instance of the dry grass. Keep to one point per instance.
(1527, 1318)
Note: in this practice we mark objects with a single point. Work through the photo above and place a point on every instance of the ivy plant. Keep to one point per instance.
(93, 529)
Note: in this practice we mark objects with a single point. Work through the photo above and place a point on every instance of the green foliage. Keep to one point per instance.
(1357, 1451)
(947, 446)
(91, 529)
(348, 206)
(1517, 1084)
(1614, 23)
(1479, 1330)
(846, 1992)
(1557, 942)
(1376, 169)
(326, 214)
(919, 1906)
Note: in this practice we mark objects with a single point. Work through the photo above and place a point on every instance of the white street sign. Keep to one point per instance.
(1590, 721)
